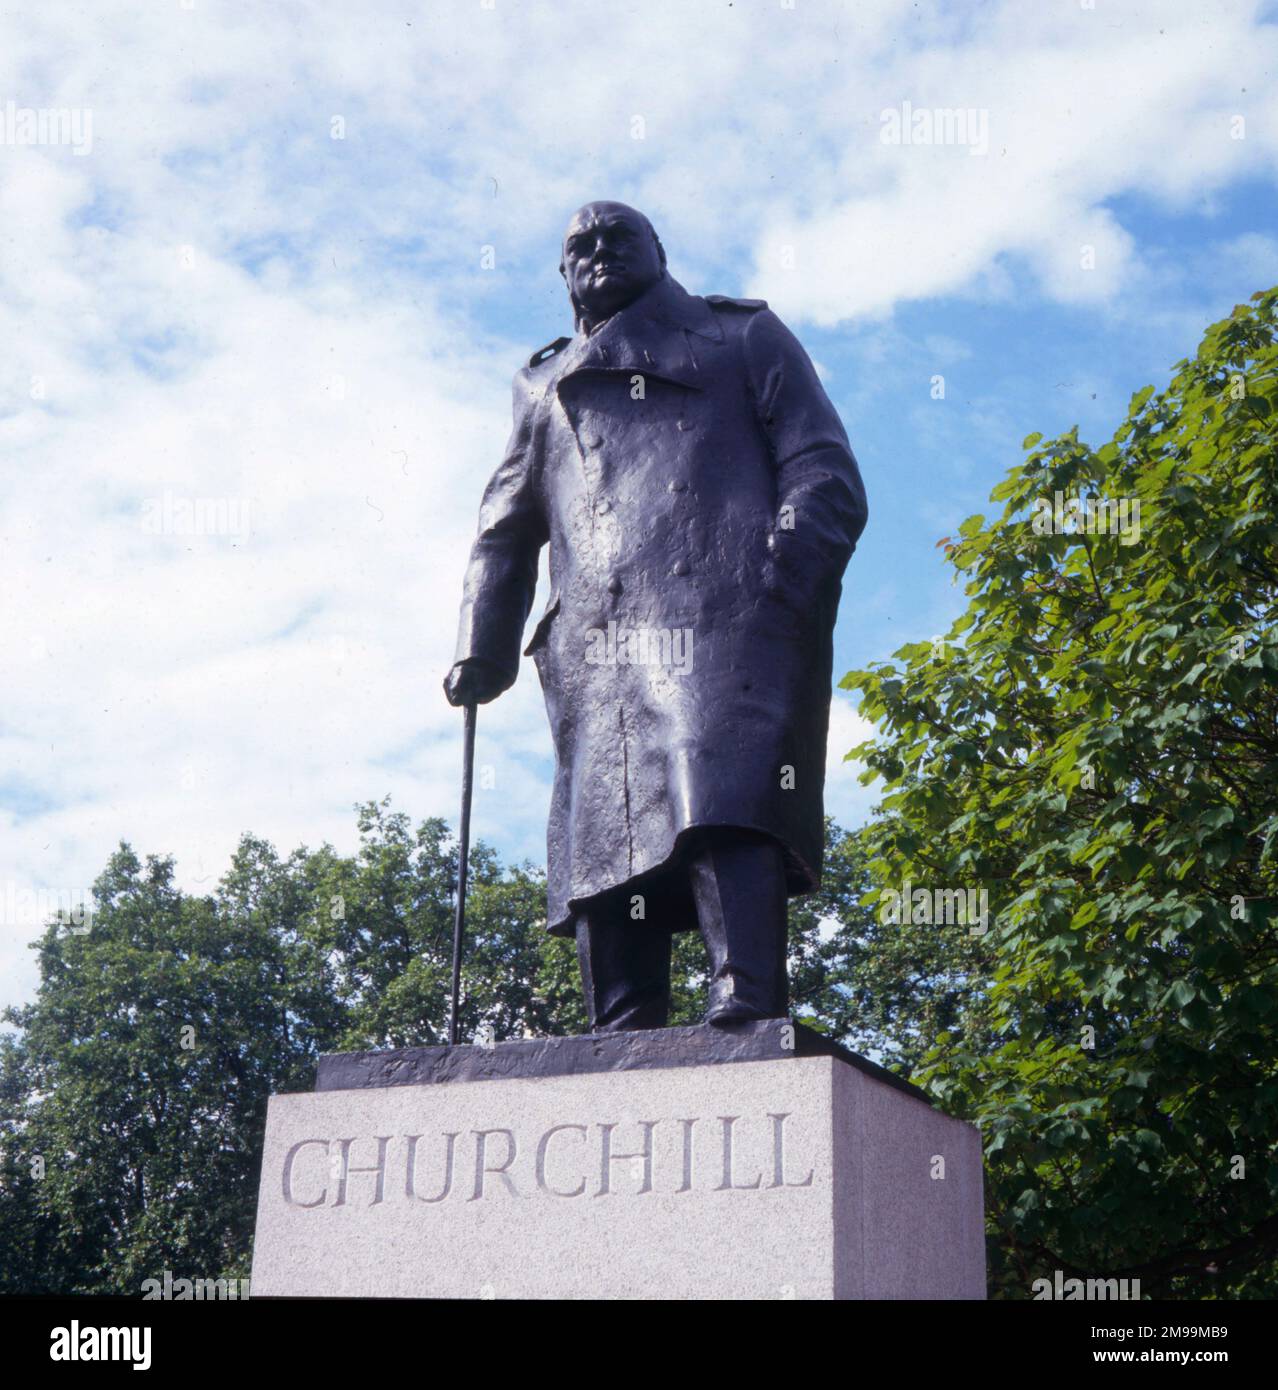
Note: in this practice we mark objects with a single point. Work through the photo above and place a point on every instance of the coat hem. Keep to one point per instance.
(800, 876)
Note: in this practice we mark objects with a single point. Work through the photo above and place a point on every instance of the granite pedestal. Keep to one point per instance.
(760, 1161)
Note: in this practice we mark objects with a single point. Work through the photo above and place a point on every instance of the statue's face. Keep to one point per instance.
(610, 258)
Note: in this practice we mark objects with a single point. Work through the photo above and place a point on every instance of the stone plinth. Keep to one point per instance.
(758, 1162)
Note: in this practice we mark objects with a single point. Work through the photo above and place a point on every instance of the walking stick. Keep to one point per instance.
(463, 853)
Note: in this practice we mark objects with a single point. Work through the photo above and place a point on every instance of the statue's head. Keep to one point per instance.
(611, 255)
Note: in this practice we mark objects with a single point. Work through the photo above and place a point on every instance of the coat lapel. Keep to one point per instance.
(659, 335)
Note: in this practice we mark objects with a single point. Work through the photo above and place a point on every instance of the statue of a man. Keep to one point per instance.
(700, 501)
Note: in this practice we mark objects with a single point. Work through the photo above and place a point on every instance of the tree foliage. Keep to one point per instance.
(1096, 744)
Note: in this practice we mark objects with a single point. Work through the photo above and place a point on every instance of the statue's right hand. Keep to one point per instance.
(474, 682)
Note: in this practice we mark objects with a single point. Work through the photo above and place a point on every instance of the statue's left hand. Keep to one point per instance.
(790, 575)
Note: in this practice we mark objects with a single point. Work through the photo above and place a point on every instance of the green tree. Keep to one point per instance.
(31, 1261)
(385, 919)
(147, 1057)
(1096, 744)
(880, 989)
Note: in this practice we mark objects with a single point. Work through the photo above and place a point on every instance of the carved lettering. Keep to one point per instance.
(728, 1121)
(288, 1174)
(410, 1176)
(345, 1169)
(481, 1161)
(541, 1160)
(554, 1162)
(607, 1158)
(686, 1184)
(778, 1154)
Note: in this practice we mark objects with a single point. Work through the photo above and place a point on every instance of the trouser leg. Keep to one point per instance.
(625, 969)
(738, 883)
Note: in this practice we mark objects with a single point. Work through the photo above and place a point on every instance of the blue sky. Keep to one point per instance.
(258, 288)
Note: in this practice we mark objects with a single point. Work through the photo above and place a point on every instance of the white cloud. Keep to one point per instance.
(1083, 105)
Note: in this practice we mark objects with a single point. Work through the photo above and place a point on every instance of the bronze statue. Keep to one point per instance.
(701, 501)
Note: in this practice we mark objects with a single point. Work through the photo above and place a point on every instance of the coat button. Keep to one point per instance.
(614, 584)
(604, 506)
(678, 485)
(682, 425)
(592, 441)
(680, 567)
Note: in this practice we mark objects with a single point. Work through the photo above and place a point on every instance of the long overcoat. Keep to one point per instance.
(700, 501)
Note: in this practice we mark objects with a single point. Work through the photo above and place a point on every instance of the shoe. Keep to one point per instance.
(733, 1011)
